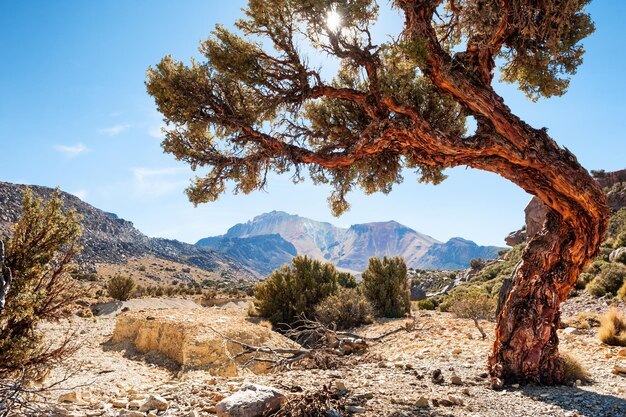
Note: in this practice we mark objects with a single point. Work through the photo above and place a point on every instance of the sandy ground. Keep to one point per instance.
(389, 380)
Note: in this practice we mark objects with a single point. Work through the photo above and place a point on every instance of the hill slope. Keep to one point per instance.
(109, 239)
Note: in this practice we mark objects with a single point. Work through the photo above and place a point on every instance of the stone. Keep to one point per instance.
(456, 380)
(437, 376)
(134, 404)
(619, 370)
(154, 402)
(422, 402)
(340, 386)
(571, 330)
(355, 410)
(73, 396)
(251, 401)
(621, 352)
(119, 403)
(616, 254)
(457, 351)
(132, 414)
(193, 413)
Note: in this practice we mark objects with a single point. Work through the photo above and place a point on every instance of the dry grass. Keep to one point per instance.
(573, 370)
(585, 321)
(613, 328)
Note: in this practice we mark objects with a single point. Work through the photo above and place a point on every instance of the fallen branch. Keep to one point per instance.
(318, 342)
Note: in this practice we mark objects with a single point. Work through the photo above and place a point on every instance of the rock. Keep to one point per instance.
(340, 386)
(251, 401)
(619, 370)
(455, 400)
(193, 413)
(616, 254)
(132, 414)
(154, 402)
(456, 380)
(73, 396)
(119, 403)
(457, 351)
(536, 212)
(437, 376)
(422, 402)
(621, 352)
(354, 409)
(571, 330)
(134, 404)
(515, 238)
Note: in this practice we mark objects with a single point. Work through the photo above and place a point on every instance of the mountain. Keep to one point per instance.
(262, 253)
(349, 249)
(108, 239)
(454, 254)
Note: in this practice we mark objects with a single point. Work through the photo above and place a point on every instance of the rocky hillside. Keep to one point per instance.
(109, 239)
(350, 248)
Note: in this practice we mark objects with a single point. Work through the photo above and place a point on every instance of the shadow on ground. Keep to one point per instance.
(578, 400)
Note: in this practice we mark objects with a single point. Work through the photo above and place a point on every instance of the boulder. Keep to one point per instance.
(251, 401)
(616, 254)
(536, 213)
(195, 338)
(154, 402)
(516, 237)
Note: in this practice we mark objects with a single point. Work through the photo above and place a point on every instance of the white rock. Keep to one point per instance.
(154, 402)
(251, 401)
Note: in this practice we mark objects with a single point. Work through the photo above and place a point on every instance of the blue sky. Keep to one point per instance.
(74, 113)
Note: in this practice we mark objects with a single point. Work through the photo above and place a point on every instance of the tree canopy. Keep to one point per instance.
(247, 109)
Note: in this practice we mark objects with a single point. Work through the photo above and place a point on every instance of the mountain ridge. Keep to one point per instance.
(350, 248)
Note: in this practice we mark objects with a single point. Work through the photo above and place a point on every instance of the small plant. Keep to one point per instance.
(608, 281)
(613, 328)
(621, 294)
(583, 280)
(426, 304)
(386, 286)
(475, 306)
(120, 287)
(346, 308)
(573, 370)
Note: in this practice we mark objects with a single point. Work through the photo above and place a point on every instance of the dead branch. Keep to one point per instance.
(318, 342)
(5, 278)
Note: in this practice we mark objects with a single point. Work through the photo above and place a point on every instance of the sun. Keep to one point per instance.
(333, 19)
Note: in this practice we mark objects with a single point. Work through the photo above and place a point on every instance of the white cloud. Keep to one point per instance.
(72, 151)
(159, 181)
(82, 194)
(156, 131)
(114, 130)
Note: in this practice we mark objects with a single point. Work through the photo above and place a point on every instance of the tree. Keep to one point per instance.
(386, 286)
(243, 112)
(39, 256)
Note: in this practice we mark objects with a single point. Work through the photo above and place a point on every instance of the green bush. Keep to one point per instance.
(386, 286)
(426, 304)
(620, 240)
(120, 287)
(583, 279)
(608, 281)
(347, 280)
(346, 308)
(295, 290)
(621, 294)
(39, 256)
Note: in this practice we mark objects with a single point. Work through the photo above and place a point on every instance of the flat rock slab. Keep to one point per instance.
(251, 401)
(195, 338)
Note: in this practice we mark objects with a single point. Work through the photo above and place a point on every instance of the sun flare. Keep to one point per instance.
(333, 20)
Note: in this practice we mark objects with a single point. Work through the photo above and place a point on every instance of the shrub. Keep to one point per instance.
(295, 290)
(39, 255)
(475, 306)
(620, 240)
(583, 279)
(621, 294)
(346, 280)
(613, 328)
(386, 286)
(608, 281)
(120, 287)
(346, 308)
(426, 304)
(572, 369)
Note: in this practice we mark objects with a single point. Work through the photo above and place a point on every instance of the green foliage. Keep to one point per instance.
(39, 253)
(621, 294)
(608, 281)
(346, 280)
(347, 308)
(617, 229)
(120, 287)
(620, 240)
(426, 304)
(386, 285)
(583, 280)
(474, 305)
(486, 281)
(295, 290)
